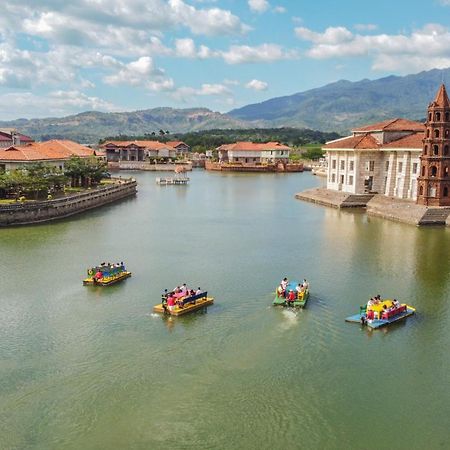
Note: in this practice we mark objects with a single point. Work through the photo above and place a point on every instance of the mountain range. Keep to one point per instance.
(338, 106)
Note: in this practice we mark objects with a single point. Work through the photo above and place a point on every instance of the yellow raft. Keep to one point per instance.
(181, 309)
(108, 280)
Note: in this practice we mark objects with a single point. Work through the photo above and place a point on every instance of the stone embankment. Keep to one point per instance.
(378, 205)
(144, 165)
(37, 212)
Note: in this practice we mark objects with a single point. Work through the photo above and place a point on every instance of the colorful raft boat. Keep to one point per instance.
(301, 298)
(105, 275)
(185, 304)
(381, 314)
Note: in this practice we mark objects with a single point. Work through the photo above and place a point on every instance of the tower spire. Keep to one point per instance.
(441, 99)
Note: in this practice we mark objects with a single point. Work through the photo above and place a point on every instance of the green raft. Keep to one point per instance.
(300, 302)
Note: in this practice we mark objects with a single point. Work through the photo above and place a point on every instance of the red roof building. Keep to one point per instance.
(117, 151)
(9, 137)
(254, 153)
(54, 152)
(383, 157)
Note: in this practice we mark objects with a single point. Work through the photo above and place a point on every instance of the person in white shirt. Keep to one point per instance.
(199, 291)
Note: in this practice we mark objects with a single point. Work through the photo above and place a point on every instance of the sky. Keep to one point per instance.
(61, 57)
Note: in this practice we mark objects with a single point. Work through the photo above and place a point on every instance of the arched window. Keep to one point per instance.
(429, 117)
(446, 171)
(447, 117)
(433, 171)
(438, 117)
(423, 171)
(425, 149)
(428, 132)
(446, 133)
(436, 133)
(445, 191)
(436, 149)
(421, 190)
(446, 150)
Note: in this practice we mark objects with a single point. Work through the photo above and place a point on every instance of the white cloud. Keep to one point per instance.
(186, 48)
(257, 85)
(258, 6)
(141, 72)
(187, 93)
(332, 35)
(56, 103)
(238, 54)
(279, 9)
(423, 49)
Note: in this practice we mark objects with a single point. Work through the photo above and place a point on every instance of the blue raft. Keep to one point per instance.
(378, 323)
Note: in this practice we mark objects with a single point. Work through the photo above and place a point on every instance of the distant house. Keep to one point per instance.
(9, 137)
(181, 147)
(254, 153)
(117, 151)
(54, 152)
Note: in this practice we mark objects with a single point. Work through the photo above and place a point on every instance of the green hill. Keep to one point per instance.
(89, 127)
(343, 105)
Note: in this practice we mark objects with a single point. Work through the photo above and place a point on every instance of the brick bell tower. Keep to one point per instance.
(434, 180)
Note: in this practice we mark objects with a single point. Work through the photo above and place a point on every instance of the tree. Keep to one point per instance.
(85, 171)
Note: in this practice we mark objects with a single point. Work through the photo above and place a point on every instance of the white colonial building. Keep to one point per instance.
(381, 158)
(254, 153)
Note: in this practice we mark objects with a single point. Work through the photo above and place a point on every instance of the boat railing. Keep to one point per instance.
(193, 298)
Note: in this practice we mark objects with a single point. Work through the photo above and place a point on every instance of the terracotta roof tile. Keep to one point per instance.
(41, 151)
(361, 141)
(254, 146)
(393, 125)
(176, 143)
(413, 141)
(150, 145)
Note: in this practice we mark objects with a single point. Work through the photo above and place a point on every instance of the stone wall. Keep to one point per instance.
(145, 165)
(35, 212)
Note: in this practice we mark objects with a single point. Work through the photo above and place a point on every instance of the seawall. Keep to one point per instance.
(37, 212)
(144, 165)
(390, 208)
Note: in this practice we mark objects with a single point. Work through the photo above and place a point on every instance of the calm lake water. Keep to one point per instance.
(93, 368)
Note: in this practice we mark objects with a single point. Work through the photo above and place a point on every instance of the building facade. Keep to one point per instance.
(382, 158)
(181, 147)
(252, 153)
(10, 136)
(398, 158)
(117, 151)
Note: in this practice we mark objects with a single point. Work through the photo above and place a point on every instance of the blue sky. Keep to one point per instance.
(59, 58)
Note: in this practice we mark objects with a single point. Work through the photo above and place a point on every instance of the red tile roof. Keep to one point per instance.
(360, 141)
(41, 151)
(368, 142)
(5, 136)
(150, 145)
(254, 146)
(392, 125)
(412, 141)
(176, 143)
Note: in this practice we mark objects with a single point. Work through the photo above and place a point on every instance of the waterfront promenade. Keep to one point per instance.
(33, 212)
(389, 208)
